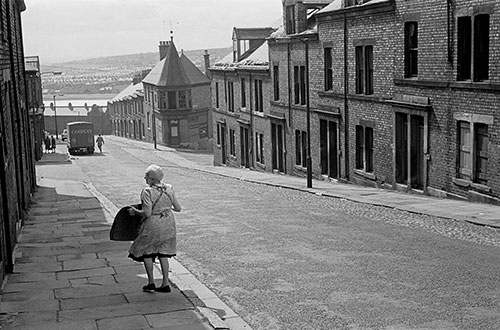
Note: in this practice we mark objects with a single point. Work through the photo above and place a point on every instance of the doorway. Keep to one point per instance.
(173, 130)
(328, 145)
(277, 147)
(223, 143)
(244, 147)
(410, 150)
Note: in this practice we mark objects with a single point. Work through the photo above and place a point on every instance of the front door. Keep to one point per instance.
(410, 150)
(328, 148)
(244, 147)
(173, 129)
(223, 143)
(277, 147)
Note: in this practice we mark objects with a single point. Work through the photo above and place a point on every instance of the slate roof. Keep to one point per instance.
(338, 4)
(194, 74)
(131, 91)
(169, 71)
(258, 60)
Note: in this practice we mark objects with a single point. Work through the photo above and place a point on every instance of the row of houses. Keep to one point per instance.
(19, 117)
(395, 94)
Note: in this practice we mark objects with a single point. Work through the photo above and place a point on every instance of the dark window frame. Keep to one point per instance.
(411, 49)
(276, 82)
(328, 68)
(364, 69)
(473, 47)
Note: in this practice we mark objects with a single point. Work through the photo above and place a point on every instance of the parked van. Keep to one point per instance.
(80, 137)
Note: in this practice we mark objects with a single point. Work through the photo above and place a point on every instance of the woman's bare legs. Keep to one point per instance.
(164, 269)
(148, 264)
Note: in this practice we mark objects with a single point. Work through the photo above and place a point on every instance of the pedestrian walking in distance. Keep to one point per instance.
(53, 143)
(100, 142)
(47, 144)
(157, 236)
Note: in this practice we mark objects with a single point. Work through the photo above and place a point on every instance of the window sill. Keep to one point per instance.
(469, 184)
(300, 168)
(233, 157)
(461, 182)
(260, 165)
(367, 175)
(258, 113)
(480, 187)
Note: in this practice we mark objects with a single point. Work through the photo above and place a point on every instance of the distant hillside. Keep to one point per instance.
(132, 62)
(111, 74)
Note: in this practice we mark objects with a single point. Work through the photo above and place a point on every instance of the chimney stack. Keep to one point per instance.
(163, 49)
(206, 56)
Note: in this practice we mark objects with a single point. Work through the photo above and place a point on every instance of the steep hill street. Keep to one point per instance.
(286, 259)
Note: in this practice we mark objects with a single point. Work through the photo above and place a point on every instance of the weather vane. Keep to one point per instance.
(171, 28)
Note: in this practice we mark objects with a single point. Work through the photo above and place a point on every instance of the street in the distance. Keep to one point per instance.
(288, 259)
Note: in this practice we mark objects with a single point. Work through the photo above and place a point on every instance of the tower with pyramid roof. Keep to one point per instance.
(177, 94)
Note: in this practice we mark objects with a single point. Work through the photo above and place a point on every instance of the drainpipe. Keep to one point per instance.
(308, 117)
(346, 107)
(289, 87)
(252, 148)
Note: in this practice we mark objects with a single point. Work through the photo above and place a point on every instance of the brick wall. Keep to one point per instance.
(16, 150)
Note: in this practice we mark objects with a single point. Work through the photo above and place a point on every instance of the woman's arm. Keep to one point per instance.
(175, 204)
(146, 205)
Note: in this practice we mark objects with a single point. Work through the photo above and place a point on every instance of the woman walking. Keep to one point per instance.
(157, 234)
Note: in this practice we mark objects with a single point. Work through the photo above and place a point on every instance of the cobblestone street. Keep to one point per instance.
(286, 259)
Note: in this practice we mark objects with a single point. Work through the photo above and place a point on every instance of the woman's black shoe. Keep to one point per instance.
(163, 289)
(149, 288)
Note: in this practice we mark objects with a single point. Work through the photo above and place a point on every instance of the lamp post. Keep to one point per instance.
(55, 116)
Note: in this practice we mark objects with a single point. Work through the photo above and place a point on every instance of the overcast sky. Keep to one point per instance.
(64, 30)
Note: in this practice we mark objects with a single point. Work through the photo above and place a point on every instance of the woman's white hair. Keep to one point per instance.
(155, 172)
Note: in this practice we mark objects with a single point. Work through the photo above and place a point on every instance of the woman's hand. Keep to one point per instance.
(132, 210)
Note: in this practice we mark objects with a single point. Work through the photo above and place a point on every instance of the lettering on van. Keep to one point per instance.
(82, 131)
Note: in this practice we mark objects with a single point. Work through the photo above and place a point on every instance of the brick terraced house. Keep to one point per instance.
(240, 98)
(17, 156)
(418, 83)
(399, 94)
(126, 110)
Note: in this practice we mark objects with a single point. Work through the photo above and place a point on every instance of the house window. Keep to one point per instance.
(473, 45)
(182, 99)
(232, 142)
(296, 85)
(276, 77)
(364, 70)
(300, 148)
(243, 93)
(364, 148)
(328, 69)
(259, 140)
(259, 102)
(411, 49)
(473, 151)
(290, 19)
(299, 79)
(148, 120)
(163, 100)
(230, 92)
(172, 100)
(217, 95)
